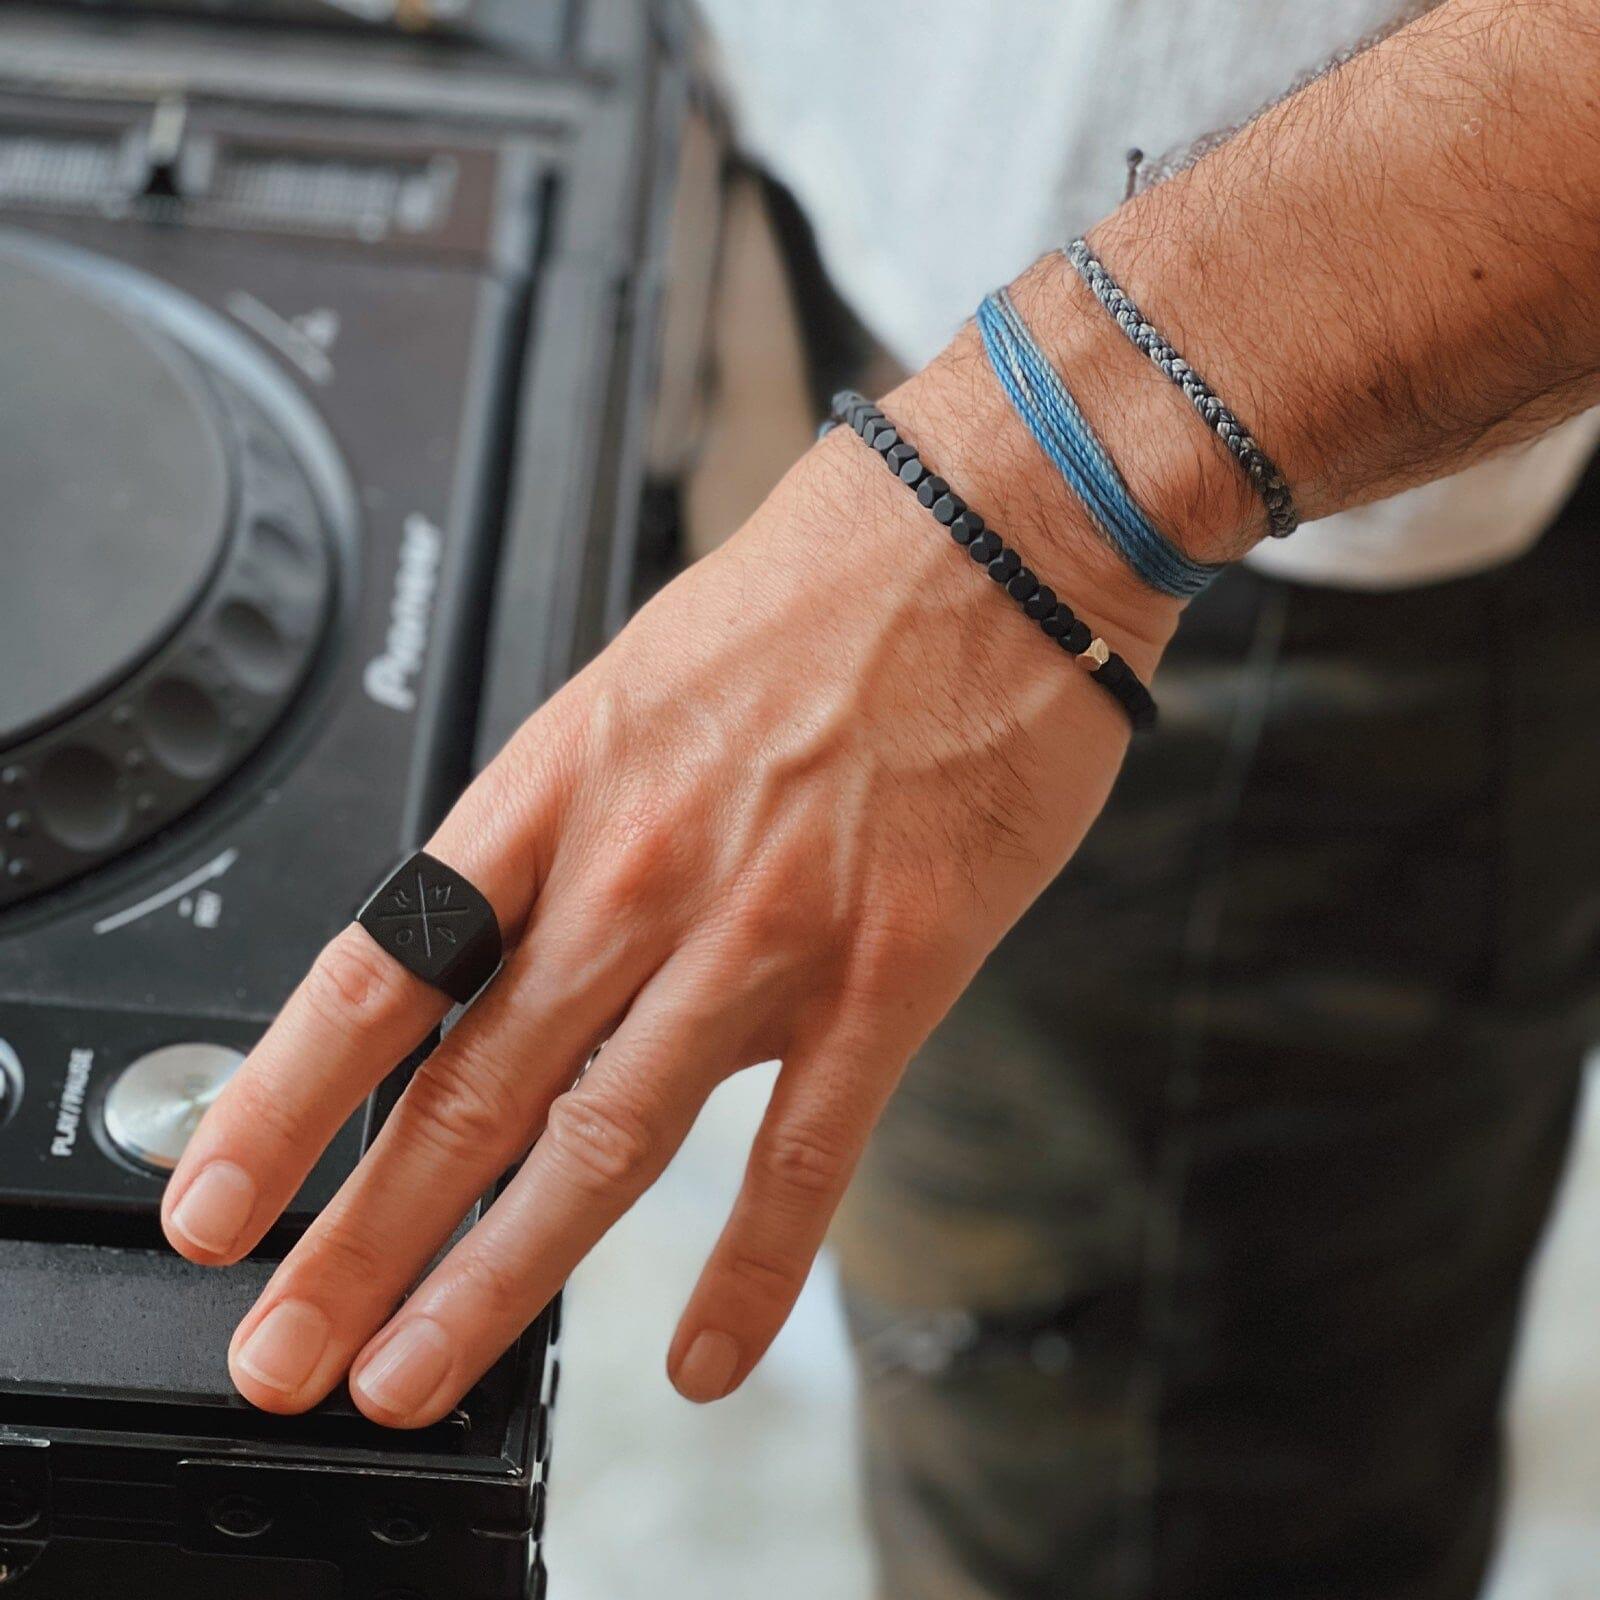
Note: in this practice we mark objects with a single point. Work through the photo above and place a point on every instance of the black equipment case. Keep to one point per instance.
(331, 336)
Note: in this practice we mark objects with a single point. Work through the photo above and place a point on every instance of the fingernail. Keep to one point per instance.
(706, 1372)
(407, 1369)
(286, 1346)
(215, 1207)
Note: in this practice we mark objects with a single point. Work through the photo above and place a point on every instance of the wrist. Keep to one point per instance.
(965, 429)
(1178, 470)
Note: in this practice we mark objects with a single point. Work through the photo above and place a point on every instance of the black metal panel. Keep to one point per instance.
(449, 266)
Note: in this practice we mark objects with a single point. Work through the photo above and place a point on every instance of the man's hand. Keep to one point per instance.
(803, 795)
(786, 814)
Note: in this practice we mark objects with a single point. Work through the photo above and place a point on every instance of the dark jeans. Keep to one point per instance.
(1187, 1263)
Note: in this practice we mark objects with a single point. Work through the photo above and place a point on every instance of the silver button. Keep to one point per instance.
(156, 1104)
(10, 1081)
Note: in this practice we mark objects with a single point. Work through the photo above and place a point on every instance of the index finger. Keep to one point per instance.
(355, 1015)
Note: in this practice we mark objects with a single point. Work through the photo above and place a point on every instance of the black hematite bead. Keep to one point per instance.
(947, 508)
(985, 547)
(932, 488)
(881, 435)
(1005, 566)
(913, 473)
(1077, 638)
(1058, 621)
(898, 454)
(846, 400)
(1022, 584)
(966, 527)
(1040, 603)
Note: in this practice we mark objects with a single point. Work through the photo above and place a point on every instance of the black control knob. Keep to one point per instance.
(165, 578)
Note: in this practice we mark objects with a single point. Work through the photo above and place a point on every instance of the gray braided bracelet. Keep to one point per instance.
(1281, 514)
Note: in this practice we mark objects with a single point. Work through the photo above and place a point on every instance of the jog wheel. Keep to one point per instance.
(165, 576)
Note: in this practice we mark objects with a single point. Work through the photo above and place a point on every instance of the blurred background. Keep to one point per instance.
(758, 1496)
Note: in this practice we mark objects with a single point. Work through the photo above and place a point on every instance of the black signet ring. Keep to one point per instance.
(436, 925)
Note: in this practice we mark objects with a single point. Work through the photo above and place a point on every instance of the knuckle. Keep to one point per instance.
(493, 1288)
(352, 984)
(643, 847)
(347, 1255)
(768, 1281)
(555, 979)
(256, 1106)
(638, 874)
(461, 1104)
(600, 1145)
(804, 1163)
(889, 948)
(765, 925)
(784, 921)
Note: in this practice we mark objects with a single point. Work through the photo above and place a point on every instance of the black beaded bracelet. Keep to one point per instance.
(1038, 601)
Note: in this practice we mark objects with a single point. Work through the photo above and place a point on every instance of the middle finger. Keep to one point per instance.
(605, 1143)
(469, 1112)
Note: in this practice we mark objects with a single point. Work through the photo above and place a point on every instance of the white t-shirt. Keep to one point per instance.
(938, 146)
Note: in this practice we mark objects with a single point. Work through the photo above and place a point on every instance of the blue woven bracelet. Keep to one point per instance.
(1046, 407)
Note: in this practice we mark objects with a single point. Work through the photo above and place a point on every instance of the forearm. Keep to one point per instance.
(1386, 276)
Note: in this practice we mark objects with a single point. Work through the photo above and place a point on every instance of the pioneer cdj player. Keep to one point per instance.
(329, 362)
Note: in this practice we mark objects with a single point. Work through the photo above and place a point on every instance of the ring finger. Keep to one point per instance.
(354, 1017)
(605, 1142)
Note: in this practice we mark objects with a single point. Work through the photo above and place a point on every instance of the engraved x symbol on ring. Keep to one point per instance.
(419, 913)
